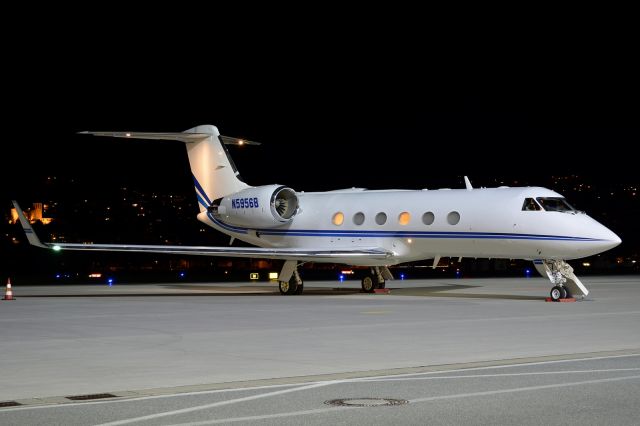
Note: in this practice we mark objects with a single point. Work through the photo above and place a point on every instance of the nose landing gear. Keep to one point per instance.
(560, 273)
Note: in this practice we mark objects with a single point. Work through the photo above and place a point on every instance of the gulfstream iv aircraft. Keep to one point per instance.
(374, 229)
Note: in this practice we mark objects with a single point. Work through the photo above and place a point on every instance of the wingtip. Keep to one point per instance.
(467, 183)
(26, 227)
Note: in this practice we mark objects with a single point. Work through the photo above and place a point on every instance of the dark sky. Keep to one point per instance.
(328, 117)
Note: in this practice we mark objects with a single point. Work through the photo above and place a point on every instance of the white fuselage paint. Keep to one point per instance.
(492, 225)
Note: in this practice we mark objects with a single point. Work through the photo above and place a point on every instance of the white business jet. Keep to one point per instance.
(376, 228)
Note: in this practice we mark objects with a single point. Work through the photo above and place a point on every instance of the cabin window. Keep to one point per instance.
(428, 218)
(404, 218)
(453, 218)
(381, 218)
(338, 218)
(530, 205)
(555, 204)
(358, 218)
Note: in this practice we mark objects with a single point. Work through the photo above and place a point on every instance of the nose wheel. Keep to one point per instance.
(564, 281)
(557, 293)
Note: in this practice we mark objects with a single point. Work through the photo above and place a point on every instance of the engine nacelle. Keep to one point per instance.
(266, 206)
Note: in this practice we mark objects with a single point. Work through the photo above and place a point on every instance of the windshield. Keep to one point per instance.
(555, 204)
(530, 205)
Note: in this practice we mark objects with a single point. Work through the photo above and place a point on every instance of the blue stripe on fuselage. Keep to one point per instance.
(399, 234)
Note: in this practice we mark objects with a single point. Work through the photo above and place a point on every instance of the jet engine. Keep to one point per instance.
(266, 206)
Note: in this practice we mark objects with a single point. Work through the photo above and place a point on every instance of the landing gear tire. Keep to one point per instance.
(368, 284)
(288, 288)
(557, 293)
(300, 288)
(383, 284)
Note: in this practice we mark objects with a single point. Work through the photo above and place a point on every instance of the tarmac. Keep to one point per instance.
(226, 353)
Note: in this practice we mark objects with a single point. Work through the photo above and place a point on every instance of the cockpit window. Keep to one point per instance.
(530, 205)
(555, 204)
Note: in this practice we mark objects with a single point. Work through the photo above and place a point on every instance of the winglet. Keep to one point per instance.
(467, 183)
(26, 226)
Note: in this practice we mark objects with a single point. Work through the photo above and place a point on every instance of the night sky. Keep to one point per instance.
(337, 102)
(317, 134)
(329, 116)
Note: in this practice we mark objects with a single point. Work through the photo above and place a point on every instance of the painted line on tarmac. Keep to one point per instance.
(411, 401)
(523, 389)
(215, 404)
(504, 364)
(476, 376)
(267, 416)
(396, 373)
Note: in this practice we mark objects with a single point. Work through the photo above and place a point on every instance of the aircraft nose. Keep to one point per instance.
(611, 239)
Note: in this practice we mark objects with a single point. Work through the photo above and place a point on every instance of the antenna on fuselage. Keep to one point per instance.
(468, 183)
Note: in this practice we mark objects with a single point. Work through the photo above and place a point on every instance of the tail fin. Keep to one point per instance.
(214, 173)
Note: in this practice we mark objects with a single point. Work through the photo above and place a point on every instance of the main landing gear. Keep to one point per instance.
(560, 273)
(292, 283)
(374, 279)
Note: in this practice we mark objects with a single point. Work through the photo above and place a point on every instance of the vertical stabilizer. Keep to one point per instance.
(214, 173)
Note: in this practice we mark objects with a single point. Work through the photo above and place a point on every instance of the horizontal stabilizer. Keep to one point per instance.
(171, 136)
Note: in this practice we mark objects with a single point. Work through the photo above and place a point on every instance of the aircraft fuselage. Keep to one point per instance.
(425, 224)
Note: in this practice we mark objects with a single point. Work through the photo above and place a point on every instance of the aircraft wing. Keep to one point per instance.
(318, 254)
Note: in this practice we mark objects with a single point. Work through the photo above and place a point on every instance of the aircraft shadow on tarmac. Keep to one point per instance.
(169, 290)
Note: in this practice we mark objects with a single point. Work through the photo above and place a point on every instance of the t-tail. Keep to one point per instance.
(214, 173)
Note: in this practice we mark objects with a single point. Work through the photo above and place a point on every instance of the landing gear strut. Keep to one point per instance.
(290, 283)
(561, 275)
(374, 279)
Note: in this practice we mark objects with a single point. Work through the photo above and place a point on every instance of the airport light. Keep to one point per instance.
(57, 248)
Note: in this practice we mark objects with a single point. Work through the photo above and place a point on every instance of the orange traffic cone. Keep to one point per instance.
(8, 294)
